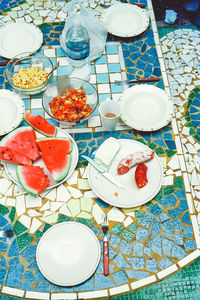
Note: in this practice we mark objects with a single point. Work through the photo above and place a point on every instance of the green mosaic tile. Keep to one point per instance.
(38, 234)
(152, 146)
(3, 210)
(197, 137)
(132, 227)
(149, 205)
(82, 164)
(85, 221)
(12, 214)
(127, 235)
(170, 153)
(63, 218)
(23, 240)
(141, 141)
(189, 125)
(192, 131)
(117, 229)
(178, 182)
(159, 151)
(46, 227)
(139, 215)
(168, 190)
(19, 228)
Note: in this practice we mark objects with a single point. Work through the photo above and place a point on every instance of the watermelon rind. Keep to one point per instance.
(32, 192)
(58, 176)
(26, 119)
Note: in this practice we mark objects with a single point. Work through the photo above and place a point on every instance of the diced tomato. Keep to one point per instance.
(141, 175)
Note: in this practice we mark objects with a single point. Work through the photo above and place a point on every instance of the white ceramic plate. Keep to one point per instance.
(12, 109)
(68, 253)
(125, 20)
(145, 107)
(130, 195)
(16, 38)
(11, 168)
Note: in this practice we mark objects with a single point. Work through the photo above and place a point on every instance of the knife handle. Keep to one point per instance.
(139, 5)
(105, 258)
(152, 79)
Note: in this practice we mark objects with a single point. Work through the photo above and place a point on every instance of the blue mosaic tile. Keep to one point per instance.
(155, 228)
(111, 49)
(43, 287)
(120, 277)
(13, 251)
(186, 218)
(29, 253)
(3, 263)
(87, 285)
(101, 203)
(14, 276)
(120, 261)
(115, 240)
(142, 233)
(125, 247)
(102, 282)
(163, 217)
(168, 201)
(3, 273)
(33, 265)
(29, 276)
(156, 245)
(114, 68)
(188, 232)
(173, 213)
(3, 247)
(101, 60)
(178, 238)
(167, 246)
(116, 88)
(132, 227)
(168, 227)
(137, 274)
(147, 251)
(183, 205)
(190, 245)
(137, 262)
(178, 252)
(180, 194)
(138, 249)
(54, 288)
(26, 286)
(146, 221)
(100, 267)
(177, 224)
(156, 210)
(39, 276)
(14, 261)
(3, 221)
(66, 289)
(151, 265)
(164, 263)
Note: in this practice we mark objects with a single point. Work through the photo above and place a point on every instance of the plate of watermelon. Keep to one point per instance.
(40, 156)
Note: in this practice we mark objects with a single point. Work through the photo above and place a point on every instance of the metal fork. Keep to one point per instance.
(104, 226)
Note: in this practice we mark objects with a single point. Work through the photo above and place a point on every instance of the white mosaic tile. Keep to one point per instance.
(35, 225)
(63, 194)
(143, 282)
(97, 213)
(25, 220)
(189, 258)
(12, 291)
(116, 215)
(118, 290)
(167, 271)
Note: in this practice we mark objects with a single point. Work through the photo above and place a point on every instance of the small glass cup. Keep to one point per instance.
(109, 111)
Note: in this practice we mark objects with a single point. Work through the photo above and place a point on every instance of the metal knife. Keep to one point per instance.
(150, 79)
(103, 170)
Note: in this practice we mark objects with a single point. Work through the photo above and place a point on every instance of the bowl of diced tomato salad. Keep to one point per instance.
(70, 103)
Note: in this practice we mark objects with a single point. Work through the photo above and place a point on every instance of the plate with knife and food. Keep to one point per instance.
(125, 173)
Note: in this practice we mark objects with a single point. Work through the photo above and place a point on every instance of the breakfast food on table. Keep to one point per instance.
(133, 159)
(141, 175)
(107, 151)
(13, 156)
(22, 139)
(70, 107)
(33, 179)
(40, 124)
(30, 77)
(55, 153)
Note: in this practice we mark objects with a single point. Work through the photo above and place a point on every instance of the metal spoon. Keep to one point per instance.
(54, 68)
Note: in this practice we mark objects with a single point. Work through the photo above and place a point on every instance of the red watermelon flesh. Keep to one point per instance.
(33, 179)
(12, 156)
(22, 139)
(56, 155)
(40, 124)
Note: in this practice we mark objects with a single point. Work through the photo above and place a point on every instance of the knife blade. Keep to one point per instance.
(150, 79)
(103, 170)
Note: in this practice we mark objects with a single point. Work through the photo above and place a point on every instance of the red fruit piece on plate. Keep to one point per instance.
(141, 175)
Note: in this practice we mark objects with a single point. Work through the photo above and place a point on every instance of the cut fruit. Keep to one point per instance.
(40, 124)
(14, 157)
(56, 155)
(22, 139)
(33, 179)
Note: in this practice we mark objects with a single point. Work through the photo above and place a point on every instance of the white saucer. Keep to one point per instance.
(68, 253)
(16, 38)
(145, 107)
(12, 109)
(125, 20)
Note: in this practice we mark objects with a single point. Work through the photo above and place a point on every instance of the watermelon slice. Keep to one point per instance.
(12, 156)
(56, 155)
(22, 139)
(33, 179)
(40, 124)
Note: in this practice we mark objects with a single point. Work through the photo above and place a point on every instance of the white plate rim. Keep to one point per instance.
(141, 11)
(76, 152)
(115, 203)
(17, 100)
(54, 228)
(12, 26)
(150, 89)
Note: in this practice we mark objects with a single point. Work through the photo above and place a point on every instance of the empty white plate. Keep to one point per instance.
(145, 107)
(125, 20)
(12, 109)
(68, 253)
(16, 38)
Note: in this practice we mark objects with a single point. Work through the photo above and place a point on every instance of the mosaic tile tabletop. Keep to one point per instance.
(147, 243)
